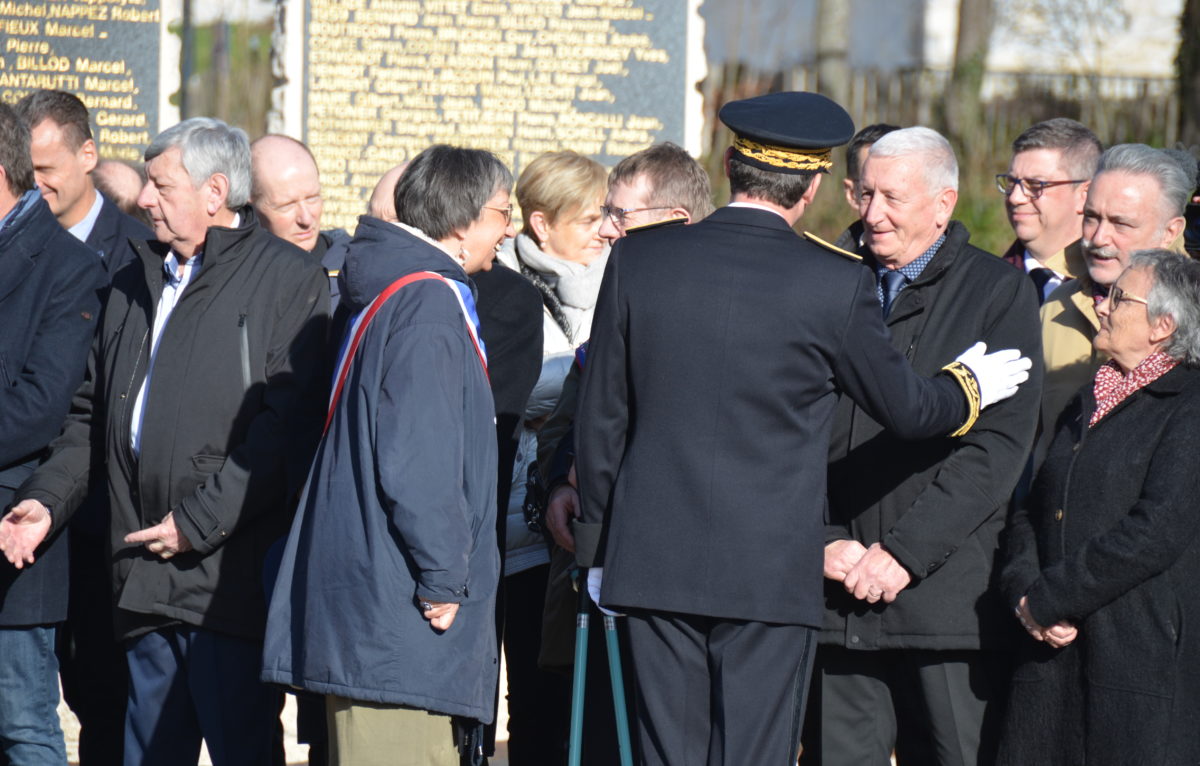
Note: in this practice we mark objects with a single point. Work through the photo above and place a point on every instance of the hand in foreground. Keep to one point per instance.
(164, 538)
(877, 575)
(1058, 635)
(840, 558)
(440, 615)
(999, 373)
(562, 506)
(22, 530)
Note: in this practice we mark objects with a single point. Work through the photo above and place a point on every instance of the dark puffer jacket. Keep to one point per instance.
(232, 414)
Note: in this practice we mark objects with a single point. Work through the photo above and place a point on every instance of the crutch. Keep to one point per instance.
(579, 679)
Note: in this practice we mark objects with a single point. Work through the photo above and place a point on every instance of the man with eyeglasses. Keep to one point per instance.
(654, 187)
(1044, 190)
(1135, 202)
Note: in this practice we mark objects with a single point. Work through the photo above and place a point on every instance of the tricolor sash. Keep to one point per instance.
(358, 328)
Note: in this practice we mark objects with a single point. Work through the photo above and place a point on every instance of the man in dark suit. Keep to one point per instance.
(49, 301)
(92, 661)
(717, 354)
(64, 156)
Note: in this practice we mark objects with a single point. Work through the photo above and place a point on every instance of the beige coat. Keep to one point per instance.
(1069, 324)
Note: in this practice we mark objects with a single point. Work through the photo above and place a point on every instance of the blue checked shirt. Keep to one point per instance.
(910, 271)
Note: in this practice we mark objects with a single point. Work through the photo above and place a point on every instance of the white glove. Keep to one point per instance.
(595, 575)
(999, 373)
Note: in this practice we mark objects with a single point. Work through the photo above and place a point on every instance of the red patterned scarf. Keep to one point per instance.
(1113, 386)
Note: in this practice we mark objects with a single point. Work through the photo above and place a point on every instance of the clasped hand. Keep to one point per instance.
(1058, 635)
(869, 574)
(22, 530)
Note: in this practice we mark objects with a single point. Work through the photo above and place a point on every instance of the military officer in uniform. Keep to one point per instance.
(717, 354)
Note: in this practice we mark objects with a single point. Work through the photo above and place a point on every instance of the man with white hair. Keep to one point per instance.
(203, 405)
(1136, 201)
(909, 658)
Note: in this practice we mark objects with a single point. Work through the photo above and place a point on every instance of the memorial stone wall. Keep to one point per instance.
(381, 80)
(116, 55)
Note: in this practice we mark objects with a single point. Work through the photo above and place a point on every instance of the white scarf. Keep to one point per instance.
(577, 285)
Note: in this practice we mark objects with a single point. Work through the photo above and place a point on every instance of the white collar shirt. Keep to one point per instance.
(179, 276)
(82, 230)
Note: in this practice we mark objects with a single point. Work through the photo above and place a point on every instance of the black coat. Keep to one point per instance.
(716, 357)
(1109, 542)
(113, 235)
(49, 304)
(232, 414)
(938, 505)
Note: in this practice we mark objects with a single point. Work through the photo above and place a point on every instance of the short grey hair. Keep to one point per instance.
(445, 188)
(1175, 293)
(1078, 146)
(206, 147)
(940, 165)
(1174, 170)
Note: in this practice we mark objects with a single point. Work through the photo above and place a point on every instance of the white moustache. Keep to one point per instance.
(1099, 252)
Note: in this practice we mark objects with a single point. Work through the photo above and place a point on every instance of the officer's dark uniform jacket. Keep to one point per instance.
(717, 353)
(232, 415)
(937, 505)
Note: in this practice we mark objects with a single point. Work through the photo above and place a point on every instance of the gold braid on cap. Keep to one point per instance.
(782, 157)
(970, 386)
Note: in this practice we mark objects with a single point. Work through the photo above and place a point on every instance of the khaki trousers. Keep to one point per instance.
(371, 734)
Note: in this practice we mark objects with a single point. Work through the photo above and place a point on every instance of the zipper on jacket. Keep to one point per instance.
(245, 344)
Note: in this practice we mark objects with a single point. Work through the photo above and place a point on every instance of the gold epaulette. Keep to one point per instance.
(657, 224)
(970, 386)
(333, 272)
(832, 248)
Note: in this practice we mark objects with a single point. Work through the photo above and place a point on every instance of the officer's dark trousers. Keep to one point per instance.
(719, 692)
(933, 707)
(187, 683)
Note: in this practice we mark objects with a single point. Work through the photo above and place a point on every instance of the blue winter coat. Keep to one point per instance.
(400, 505)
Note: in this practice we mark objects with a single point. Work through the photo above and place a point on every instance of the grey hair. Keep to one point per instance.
(940, 166)
(1174, 170)
(1079, 147)
(207, 147)
(445, 188)
(1175, 293)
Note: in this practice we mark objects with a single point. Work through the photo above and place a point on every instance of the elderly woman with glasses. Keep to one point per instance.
(1103, 563)
(386, 595)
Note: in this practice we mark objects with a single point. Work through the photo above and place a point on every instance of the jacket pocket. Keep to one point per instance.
(206, 464)
(244, 349)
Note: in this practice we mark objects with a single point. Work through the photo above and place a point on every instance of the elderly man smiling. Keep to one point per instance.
(908, 656)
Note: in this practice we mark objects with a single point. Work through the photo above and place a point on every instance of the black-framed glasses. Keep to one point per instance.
(1117, 296)
(504, 211)
(618, 214)
(1033, 189)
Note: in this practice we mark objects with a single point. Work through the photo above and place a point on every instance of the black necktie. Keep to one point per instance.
(893, 282)
(1041, 277)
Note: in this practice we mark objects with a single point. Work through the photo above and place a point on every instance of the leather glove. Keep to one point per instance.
(999, 373)
(595, 576)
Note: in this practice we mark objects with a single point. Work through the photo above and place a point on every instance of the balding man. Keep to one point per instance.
(201, 416)
(382, 204)
(286, 193)
(1135, 202)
